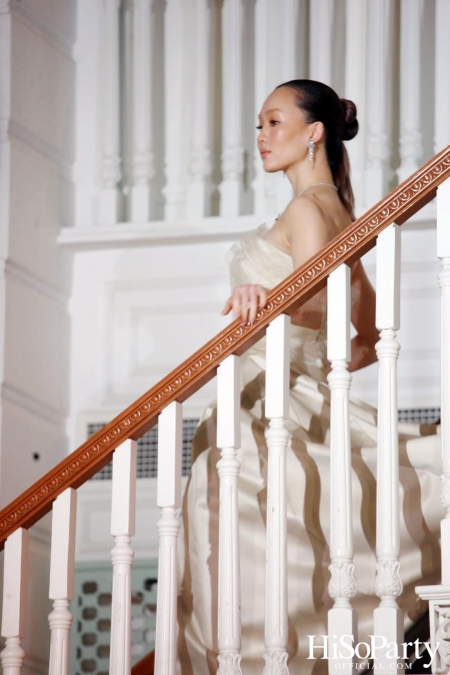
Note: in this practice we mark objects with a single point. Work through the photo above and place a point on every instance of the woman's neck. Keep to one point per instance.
(302, 176)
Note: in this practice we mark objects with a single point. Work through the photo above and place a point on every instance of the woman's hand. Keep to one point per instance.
(245, 301)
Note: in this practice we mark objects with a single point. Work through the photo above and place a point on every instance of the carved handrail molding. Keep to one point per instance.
(182, 382)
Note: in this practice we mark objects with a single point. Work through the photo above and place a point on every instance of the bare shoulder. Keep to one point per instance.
(305, 228)
(304, 215)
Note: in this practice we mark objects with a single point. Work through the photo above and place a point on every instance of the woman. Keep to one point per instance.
(302, 128)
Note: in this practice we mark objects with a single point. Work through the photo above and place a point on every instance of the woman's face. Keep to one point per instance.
(283, 135)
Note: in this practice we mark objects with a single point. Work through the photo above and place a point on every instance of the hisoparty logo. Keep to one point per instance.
(344, 648)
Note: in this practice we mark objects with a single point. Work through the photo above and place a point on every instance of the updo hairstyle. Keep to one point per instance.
(320, 103)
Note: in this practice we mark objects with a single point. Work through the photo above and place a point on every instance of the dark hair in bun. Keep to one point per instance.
(320, 103)
(351, 125)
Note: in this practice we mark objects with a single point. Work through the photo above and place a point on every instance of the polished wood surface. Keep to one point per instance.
(182, 382)
(145, 666)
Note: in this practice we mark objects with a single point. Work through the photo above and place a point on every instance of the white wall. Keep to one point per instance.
(37, 146)
(37, 74)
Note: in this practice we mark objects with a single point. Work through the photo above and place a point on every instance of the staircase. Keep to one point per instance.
(56, 491)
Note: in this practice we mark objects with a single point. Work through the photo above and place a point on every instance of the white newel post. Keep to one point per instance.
(410, 57)
(388, 617)
(109, 197)
(199, 188)
(62, 560)
(142, 160)
(443, 251)
(442, 77)
(321, 40)
(438, 596)
(123, 513)
(228, 440)
(169, 500)
(232, 141)
(355, 88)
(277, 437)
(14, 614)
(342, 587)
(174, 190)
(378, 79)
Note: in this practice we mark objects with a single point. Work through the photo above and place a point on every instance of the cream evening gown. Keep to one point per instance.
(255, 260)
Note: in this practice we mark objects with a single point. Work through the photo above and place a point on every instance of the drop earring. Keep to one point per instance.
(311, 149)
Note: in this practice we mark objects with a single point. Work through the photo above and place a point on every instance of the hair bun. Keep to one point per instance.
(350, 122)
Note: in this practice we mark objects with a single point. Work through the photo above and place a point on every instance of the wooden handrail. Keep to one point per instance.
(146, 666)
(302, 284)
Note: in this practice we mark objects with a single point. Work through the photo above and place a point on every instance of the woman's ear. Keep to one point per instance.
(318, 132)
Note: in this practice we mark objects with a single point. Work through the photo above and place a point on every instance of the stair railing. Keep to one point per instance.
(163, 403)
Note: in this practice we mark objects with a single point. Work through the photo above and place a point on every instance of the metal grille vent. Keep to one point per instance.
(91, 608)
(147, 451)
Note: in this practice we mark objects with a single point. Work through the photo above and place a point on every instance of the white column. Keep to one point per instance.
(442, 77)
(277, 437)
(174, 190)
(109, 123)
(355, 89)
(232, 108)
(388, 618)
(443, 251)
(321, 40)
(169, 500)
(61, 579)
(410, 57)
(258, 184)
(199, 188)
(123, 513)
(379, 68)
(14, 613)
(342, 587)
(263, 185)
(287, 37)
(228, 440)
(142, 159)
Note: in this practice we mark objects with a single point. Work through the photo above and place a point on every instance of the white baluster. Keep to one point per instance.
(174, 190)
(443, 251)
(229, 439)
(355, 88)
(232, 106)
(288, 20)
(410, 58)
(342, 587)
(442, 77)
(388, 618)
(169, 500)
(142, 160)
(199, 189)
(263, 185)
(123, 512)
(321, 40)
(378, 78)
(438, 596)
(14, 616)
(61, 579)
(109, 198)
(277, 437)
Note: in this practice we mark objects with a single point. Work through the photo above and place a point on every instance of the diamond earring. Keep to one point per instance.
(311, 149)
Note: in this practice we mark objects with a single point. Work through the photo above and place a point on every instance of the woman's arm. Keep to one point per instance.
(363, 319)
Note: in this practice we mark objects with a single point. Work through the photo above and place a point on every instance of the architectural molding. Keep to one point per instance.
(39, 285)
(19, 132)
(166, 233)
(26, 12)
(38, 408)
